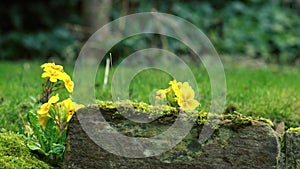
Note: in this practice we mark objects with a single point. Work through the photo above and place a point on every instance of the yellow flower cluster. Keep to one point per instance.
(55, 72)
(183, 95)
(62, 111)
(69, 105)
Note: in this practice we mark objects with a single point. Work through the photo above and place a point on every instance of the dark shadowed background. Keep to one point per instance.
(266, 29)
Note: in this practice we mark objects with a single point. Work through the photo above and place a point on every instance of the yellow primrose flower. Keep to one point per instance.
(53, 66)
(176, 86)
(78, 106)
(43, 121)
(46, 65)
(53, 99)
(187, 101)
(160, 95)
(69, 84)
(168, 90)
(46, 106)
(70, 106)
(52, 74)
(58, 67)
(43, 114)
(43, 111)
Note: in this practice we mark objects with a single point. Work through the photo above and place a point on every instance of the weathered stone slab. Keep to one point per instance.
(292, 150)
(234, 144)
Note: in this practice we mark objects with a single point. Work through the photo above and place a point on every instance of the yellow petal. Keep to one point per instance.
(53, 99)
(52, 74)
(45, 74)
(58, 67)
(52, 66)
(70, 106)
(176, 87)
(44, 109)
(53, 79)
(193, 104)
(45, 65)
(190, 104)
(168, 90)
(78, 106)
(70, 114)
(187, 91)
(179, 101)
(160, 95)
(43, 121)
(69, 85)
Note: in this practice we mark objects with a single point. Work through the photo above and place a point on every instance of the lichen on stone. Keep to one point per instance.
(202, 116)
(106, 104)
(292, 129)
(234, 135)
(268, 121)
(139, 107)
(236, 118)
(164, 110)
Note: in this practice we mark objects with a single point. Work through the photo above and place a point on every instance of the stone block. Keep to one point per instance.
(234, 144)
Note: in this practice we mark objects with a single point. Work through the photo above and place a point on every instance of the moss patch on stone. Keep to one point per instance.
(140, 107)
(296, 129)
(236, 118)
(15, 154)
(164, 110)
(186, 150)
(236, 140)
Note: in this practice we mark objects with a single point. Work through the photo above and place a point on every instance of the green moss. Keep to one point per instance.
(107, 105)
(264, 120)
(236, 118)
(140, 107)
(15, 154)
(296, 129)
(202, 116)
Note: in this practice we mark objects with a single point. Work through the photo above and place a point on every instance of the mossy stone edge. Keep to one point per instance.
(237, 141)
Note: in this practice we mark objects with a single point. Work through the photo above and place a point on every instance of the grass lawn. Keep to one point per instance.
(268, 91)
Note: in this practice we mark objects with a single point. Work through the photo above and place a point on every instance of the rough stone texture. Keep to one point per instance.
(292, 150)
(250, 145)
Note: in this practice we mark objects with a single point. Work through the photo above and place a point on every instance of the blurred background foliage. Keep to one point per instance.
(266, 29)
(35, 29)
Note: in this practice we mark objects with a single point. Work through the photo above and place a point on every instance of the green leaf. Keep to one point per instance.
(51, 132)
(58, 149)
(62, 139)
(36, 147)
(37, 130)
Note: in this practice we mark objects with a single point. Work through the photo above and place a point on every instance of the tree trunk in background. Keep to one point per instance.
(96, 13)
(298, 7)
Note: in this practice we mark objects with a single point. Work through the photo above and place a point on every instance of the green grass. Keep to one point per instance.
(271, 92)
(18, 81)
(268, 91)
